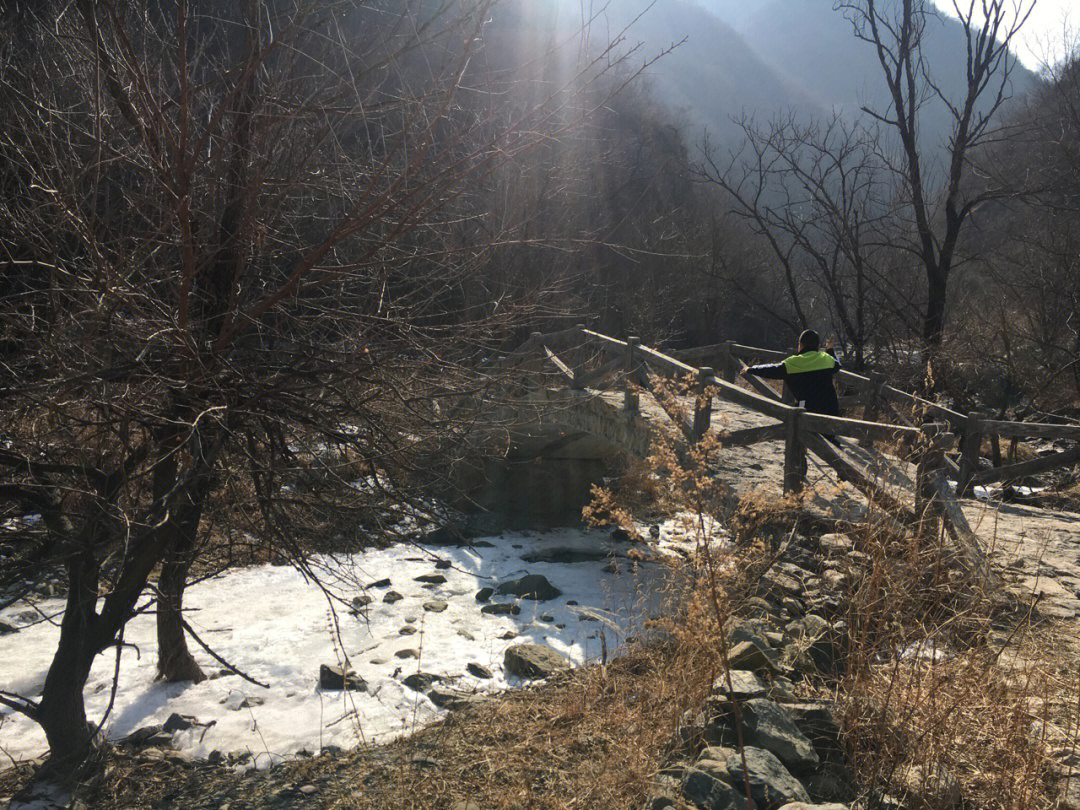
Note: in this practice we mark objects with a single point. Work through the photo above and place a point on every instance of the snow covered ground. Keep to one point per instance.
(276, 626)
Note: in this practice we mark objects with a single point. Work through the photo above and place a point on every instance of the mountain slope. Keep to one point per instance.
(808, 42)
(713, 75)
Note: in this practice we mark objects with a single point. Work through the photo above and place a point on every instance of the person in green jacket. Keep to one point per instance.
(808, 374)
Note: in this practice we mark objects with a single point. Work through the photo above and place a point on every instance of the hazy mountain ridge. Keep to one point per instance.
(714, 74)
(772, 56)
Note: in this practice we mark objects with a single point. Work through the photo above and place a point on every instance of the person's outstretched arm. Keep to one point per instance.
(830, 347)
(768, 371)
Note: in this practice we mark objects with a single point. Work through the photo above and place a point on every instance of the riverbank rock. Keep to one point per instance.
(420, 681)
(705, 786)
(430, 579)
(453, 699)
(178, 722)
(478, 671)
(745, 685)
(530, 586)
(336, 677)
(770, 782)
(501, 609)
(769, 727)
(748, 655)
(835, 545)
(533, 661)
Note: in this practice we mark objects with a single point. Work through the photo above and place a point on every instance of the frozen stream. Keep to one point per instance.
(269, 622)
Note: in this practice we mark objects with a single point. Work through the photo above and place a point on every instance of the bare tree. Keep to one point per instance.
(821, 201)
(939, 204)
(232, 245)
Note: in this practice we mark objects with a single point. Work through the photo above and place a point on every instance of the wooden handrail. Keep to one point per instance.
(1033, 467)
(670, 364)
(856, 428)
(1031, 430)
(748, 436)
(748, 399)
(954, 418)
(609, 343)
(559, 364)
(819, 423)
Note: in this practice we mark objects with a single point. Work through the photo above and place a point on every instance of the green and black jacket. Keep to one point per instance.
(809, 377)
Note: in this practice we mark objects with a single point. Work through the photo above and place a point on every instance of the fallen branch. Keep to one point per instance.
(218, 658)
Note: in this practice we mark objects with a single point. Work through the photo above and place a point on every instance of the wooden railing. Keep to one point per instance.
(928, 427)
(875, 397)
(629, 358)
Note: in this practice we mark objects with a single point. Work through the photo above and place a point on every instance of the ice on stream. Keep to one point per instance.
(278, 627)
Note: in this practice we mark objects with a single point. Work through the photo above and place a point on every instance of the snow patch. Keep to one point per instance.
(277, 626)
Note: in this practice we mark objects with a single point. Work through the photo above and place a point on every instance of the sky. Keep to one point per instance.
(1044, 33)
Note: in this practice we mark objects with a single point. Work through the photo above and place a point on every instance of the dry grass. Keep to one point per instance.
(597, 739)
(941, 673)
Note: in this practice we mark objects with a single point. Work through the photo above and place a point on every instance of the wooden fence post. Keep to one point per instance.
(578, 367)
(872, 410)
(703, 405)
(794, 453)
(970, 452)
(727, 362)
(630, 397)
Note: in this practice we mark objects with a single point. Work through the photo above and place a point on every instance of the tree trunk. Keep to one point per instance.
(1076, 363)
(62, 712)
(175, 662)
(934, 327)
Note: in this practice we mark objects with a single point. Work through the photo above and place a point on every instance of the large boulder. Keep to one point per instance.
(817, 720)
(754, 656)
(745, 685)
(705, 785)
(530, 586)
(533, 661)
(771, 784)
(768, 726)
